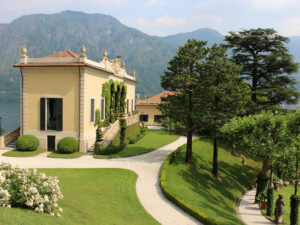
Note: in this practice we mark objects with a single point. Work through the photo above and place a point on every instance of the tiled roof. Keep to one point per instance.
(163, 94)
(63, 54)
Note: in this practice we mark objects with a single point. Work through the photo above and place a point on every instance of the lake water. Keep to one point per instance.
(10, 113)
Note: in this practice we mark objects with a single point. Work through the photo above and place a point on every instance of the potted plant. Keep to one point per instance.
(276, 183)
(262, 199)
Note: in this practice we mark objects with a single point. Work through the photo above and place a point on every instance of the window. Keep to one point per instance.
(157, 118)
(92, 118)
(144, 118)
(102, 109)
(131, 105)
(127, 106)
(51, 114)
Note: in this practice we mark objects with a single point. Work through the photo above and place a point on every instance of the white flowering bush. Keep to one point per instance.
(28, 189)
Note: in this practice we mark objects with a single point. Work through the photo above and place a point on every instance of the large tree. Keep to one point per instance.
(222, 95)
(266, 65)
(183, 75)
(263, 136)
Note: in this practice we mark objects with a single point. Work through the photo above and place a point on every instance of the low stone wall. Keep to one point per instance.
(13, 135)
(132, 120)
(111, 133)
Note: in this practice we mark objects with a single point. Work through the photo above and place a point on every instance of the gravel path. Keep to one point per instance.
(250, 212)
(147, 167)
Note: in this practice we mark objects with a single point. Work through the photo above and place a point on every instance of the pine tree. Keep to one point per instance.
(266, 65)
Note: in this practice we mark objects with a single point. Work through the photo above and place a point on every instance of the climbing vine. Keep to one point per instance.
(114, 93)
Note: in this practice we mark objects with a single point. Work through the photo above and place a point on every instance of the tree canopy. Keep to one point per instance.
(266, 65)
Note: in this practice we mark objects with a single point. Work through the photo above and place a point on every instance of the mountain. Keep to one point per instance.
(207, 34)
(47, 34)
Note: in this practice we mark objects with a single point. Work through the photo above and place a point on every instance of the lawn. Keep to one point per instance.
(286, 192)
(197, 188)
(16, 153)
(65, 156)
(91, 196)
(153, 140)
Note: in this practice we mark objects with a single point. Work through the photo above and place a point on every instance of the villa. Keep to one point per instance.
(61, 93)
(148, 110)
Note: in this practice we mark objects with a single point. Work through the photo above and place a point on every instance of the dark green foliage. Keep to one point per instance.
(111, 149)
(130, 132)
(266, 64)
(270, 200)
(97, 117)
(98, 147)
(122, 134)
(123, 123)
(27, 143)
(210, 92)
(294, 209)
(115, 95)
(262, 184)
(67, 145)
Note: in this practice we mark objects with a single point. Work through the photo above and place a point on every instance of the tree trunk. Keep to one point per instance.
(215, 158)
(263, 178)
(188, 156)
(297, 172)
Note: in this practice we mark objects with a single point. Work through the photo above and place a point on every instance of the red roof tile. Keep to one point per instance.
(63, 54)
(163, 94)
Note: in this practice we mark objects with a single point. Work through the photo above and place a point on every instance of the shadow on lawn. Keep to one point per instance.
(216, 196)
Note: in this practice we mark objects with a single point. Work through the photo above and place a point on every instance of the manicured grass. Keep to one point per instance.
(65, 156)
(153, 140)
(16, 153)
(199, 190)
(91, 196)
(286, 192)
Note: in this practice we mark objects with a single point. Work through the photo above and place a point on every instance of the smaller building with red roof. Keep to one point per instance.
(147, 107)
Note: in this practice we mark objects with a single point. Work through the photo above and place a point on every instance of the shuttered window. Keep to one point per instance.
(102, 109)
(92, 117)
(131, 105)
(127, 106)
(51, 114)
(42, 113)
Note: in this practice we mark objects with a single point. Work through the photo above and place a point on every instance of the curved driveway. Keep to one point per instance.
(147, 167)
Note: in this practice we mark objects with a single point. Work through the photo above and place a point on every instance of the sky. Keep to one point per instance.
(167, 17)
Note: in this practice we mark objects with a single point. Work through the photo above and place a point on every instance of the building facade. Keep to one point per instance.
(147, 108)
(61, 92)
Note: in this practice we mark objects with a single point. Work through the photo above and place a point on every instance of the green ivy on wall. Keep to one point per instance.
(114, 93)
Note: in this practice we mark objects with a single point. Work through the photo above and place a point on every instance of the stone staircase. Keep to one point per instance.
(91, 150)
(11, 145)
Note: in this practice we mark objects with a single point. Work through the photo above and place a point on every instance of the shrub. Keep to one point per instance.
(27, 143)
(67, 145)
(98, 148)
(112, 149)
(28, 189)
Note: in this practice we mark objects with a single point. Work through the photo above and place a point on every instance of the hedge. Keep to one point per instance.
(130, 132)
(187, 207)
(27, 143)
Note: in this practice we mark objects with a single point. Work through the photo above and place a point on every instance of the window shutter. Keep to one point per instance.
(59, 114)
(42, 113)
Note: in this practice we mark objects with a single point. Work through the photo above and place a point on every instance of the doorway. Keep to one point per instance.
(51, 143)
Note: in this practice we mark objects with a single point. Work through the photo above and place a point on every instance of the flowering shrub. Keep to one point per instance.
(28, 189)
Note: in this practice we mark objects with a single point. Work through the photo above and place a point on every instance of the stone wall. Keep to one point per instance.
(13, 135)
(132, 120)
(111, 133)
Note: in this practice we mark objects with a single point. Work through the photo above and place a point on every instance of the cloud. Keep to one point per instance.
(271, 4)
(154, 2)
(162, 22)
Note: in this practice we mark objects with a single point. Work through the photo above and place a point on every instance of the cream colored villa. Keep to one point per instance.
(61, 92)
(148, 110)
